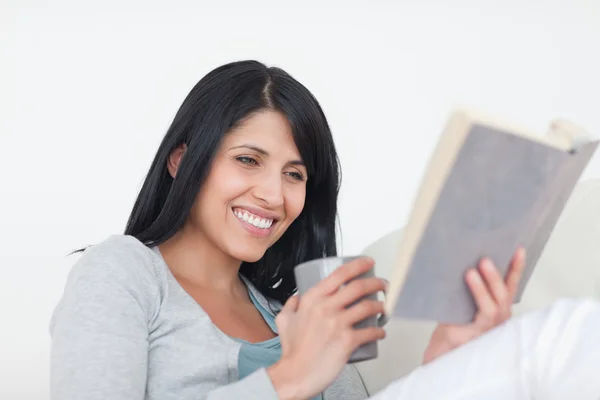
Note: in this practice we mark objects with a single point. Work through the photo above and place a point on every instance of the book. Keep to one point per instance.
(489, 188)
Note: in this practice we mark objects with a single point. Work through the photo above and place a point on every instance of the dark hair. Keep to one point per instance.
(219, 102)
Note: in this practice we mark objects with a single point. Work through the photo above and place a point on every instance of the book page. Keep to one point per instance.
(563, 134)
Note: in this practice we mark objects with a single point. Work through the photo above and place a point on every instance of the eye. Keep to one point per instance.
(247, 160)
(296, 175)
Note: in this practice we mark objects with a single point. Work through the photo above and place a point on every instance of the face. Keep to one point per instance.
(255, 190)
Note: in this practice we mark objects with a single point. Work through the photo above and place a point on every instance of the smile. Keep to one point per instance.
(252, 219)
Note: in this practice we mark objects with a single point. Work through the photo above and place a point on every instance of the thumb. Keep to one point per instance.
(291, 305)
(289, 308)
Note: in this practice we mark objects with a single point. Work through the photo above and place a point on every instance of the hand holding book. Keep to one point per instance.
(494, 296)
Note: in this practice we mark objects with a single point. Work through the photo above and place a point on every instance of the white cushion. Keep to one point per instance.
(569, 266)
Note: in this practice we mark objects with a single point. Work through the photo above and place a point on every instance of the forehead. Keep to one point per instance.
(268, 130)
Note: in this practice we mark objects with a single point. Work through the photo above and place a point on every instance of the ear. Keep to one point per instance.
(175, 159)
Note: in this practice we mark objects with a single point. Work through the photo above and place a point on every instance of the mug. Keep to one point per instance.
(312, 272)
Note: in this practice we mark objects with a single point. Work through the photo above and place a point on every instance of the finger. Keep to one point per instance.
(387, 285)
(362, 336)
(356, 290)
(516, 272)
(288, 309)
(496, 285)
(341, 275)
(291, 305)
(362, 310)
(487, 308)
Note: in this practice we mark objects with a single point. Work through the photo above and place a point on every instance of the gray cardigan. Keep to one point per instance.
(125, 329)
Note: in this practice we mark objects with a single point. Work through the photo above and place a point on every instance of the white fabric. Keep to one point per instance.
(568, 267)
(550, 354)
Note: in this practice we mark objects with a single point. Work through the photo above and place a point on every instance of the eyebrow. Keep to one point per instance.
(265, 153)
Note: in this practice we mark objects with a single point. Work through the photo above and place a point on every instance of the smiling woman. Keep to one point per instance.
(242, 188)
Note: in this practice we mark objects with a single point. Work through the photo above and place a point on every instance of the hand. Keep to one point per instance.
(494, 298)
(317, 334)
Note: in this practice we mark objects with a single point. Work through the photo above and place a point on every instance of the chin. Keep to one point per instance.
(249, 256)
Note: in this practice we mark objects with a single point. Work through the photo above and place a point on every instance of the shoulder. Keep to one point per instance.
(118, 263)
(121, 254)
(118, 248)
(113, 290)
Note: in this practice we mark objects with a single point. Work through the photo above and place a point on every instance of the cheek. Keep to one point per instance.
(294, 202)
(224, 185)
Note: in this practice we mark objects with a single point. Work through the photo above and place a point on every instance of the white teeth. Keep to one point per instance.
(258, 222)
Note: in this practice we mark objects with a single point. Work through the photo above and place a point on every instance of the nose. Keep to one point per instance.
(269, 190)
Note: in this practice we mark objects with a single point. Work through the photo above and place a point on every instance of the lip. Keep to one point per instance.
(254, 230)
(260, 212)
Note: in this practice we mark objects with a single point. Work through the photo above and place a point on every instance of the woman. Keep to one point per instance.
(187, 304)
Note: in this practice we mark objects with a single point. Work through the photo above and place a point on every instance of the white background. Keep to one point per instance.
(87, 91)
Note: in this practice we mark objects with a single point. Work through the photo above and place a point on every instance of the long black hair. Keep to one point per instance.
(220, 101)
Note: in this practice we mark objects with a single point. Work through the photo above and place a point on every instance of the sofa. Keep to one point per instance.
(568, 267)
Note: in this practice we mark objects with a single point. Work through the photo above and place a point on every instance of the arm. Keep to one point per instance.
(99, 334)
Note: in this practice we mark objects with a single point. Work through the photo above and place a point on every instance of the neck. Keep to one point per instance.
(193, 258)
